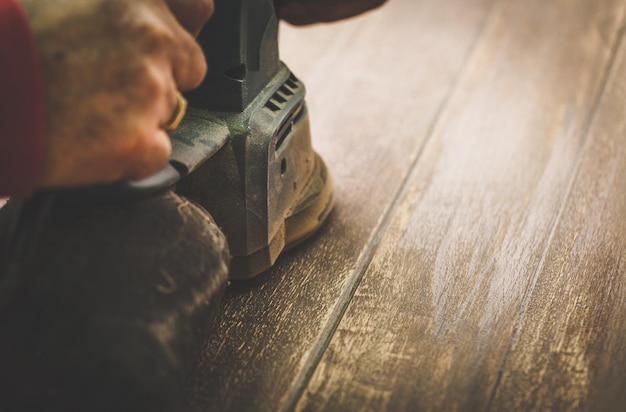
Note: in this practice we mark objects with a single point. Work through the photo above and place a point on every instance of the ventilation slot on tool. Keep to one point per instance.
(283, 132)
(287, 126)
(276, 102)
(288, 89)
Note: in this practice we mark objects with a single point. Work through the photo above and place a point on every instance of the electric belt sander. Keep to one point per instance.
(243, 150)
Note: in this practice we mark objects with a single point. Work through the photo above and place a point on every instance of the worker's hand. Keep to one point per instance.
(111, 70)
(301, 12)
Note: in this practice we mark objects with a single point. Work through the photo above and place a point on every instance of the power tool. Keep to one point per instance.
(243, 151)
(266, 187)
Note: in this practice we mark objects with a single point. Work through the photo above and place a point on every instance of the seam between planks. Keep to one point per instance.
(610, 71)
(318, 349)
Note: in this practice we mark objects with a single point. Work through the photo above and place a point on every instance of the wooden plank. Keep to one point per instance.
(431, 322)
(570, 352)
(375, 87)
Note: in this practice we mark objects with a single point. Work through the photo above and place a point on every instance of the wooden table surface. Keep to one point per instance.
(476, 257)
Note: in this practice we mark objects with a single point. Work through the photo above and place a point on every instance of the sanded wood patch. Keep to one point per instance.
(570, 352)
(430, 326)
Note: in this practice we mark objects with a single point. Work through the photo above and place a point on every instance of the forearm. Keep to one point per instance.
(22, 100)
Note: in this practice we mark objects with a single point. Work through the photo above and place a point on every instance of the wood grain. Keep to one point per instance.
(570, 351)
(375, 86)
(430, 325)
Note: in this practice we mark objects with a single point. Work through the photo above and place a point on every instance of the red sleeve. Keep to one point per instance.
(22, 104)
